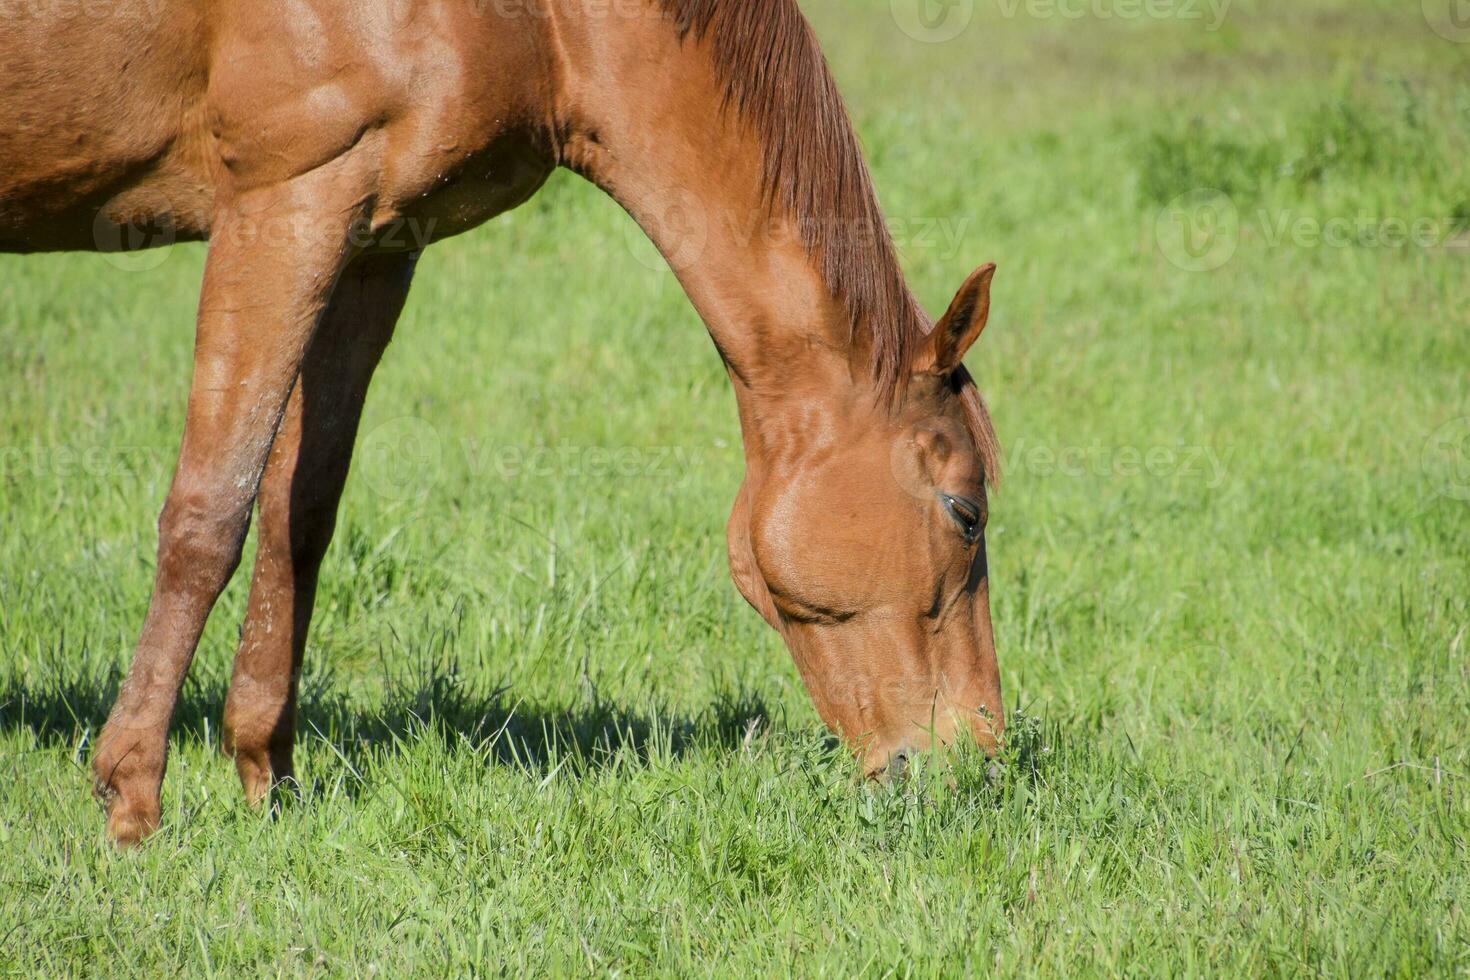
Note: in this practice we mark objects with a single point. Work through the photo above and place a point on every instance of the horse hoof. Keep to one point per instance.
(128, 825)
(127, 773)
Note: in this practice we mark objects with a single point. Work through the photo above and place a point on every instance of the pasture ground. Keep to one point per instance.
(1230, 562)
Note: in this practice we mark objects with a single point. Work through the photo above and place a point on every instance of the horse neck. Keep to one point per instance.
(644, 116)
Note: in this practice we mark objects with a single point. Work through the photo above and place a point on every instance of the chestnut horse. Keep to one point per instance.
(301, 137)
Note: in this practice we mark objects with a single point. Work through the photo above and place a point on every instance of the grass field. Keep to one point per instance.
(1230, 561)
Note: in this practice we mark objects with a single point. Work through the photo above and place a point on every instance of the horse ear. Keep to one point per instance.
(960, 326)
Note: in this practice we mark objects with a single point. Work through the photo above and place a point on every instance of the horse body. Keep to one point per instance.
(319, 145)
(71, 137)
(195, 99)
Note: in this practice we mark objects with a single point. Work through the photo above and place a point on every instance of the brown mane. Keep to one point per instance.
(777, 79)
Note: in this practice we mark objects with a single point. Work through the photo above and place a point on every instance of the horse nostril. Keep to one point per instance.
(898, 766)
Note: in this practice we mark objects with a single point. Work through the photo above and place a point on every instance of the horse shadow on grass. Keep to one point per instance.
(69, 706)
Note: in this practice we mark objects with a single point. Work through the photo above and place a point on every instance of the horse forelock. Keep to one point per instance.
(977, 421)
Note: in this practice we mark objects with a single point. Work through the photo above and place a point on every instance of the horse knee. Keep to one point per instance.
(199, 542)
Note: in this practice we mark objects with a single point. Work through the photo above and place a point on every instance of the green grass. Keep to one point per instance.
(544, 733)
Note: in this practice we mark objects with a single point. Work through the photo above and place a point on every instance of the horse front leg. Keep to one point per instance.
(298, 500)
(274, 257)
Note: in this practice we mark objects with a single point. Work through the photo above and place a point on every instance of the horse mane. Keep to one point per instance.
(776, 78)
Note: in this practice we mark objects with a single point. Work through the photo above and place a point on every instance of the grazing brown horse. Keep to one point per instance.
(301, 137)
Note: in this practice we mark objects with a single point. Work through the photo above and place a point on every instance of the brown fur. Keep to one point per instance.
(303, 141)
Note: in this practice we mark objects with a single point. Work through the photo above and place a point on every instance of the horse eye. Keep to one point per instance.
(966, 514)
